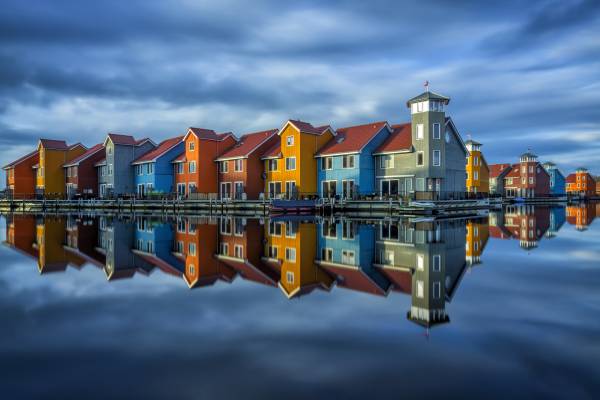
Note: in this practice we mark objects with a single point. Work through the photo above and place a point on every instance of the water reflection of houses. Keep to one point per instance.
(49, 242)
(557, 220)
(582, 215)
(478, 233)
(81, 238)
(21, 234)
(526, 223)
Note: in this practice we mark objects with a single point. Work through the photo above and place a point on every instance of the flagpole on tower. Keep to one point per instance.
(426, 86)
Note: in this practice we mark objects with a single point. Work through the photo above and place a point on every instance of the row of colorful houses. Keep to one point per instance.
(425, 158)
(425, 155)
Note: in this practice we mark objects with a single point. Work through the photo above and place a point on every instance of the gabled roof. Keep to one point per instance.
(180, 158)
(247, 144)
(353, 139)
(499, 169)
(273, 152)
(90, 152)
(100, 162)
(20, 160)
(399, 141)
(428, 96)
(159, 151)
(126, 140)
(450, 122)
(572, 178)
(207, 134)
(306, 127)
(78, 144)
(54, 144)
(357, 278)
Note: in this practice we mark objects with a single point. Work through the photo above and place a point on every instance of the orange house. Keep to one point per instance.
(293, 245)
(195, 170)
(290, 165)
(478, 233)
(196, 244)
(20, 175)
(581, 183)
(53, 154)
(581, 216)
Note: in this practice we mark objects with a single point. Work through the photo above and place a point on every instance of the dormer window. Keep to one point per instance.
(192, 146)
(289, 140)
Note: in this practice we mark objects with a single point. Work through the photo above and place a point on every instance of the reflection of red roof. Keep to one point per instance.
(20, 160)
(162, 148)
(54, 144)
(499, 232)
(352, 138)
(497, 169)
(258, 274)
(307, 127)
(353, 278)
(85, 155)
(157, 262)
(248, 144)
(401, 279)
(399, 140)
(273, 152)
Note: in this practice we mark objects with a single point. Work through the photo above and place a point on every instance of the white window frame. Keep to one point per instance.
(238, 165)
(224, 167)
(289, 140)
(420, 132)
(437, 133)
(439, 160)
(437, 262)
(290, 254)
(345, 161)
(192, 167)
(287, 166)
(238, 251)
(422, 153)
(384, 158)
(275, 162)
(437, 290)
(289, 277)
(327, 163)
(192, 146)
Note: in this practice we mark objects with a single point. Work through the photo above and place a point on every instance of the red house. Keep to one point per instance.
(241, 168)
(20, 174)
(527, 179)
(80, 173)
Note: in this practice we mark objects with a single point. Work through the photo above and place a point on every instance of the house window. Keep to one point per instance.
(436, 131)
(420, 262)
(437, 290)
(238, 251)
(437, 158)
(273, 251)
(224, 249)
(275, 228)
(475, 175)
(290, 254)
(192, 146)
(326, 163)
(290, 163)
(329, 230)
(225, 226)
(531, 180)
(348, 161)
(475, 160)
(272, 165)
(274, 188)
(150, 168)
(179, 168)
(191, 188)
(437, 263)
(192, 167)
(290, 188)
(531, 169)
(420, 289)
(420, 184)
(420, 133)
(223, 166)
(289, 276)
(290, 229)
(191, 269)
(348, 257)
(387, 162)
(238, 165)
(420, 159)
(347, 230)
(289, 140)
(192, 249)
(327, 254)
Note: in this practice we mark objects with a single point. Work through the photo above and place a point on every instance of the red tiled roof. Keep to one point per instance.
(273, 152)
(307, 127)
(162, 148)
(54, 144)
(514, 172)
(101, 162)
(20, 160)
(78, 144)
(248, 143)
(352, 138)
(85, 155)
(497, 169)
(180, 158)
(399, 140)
(122, 139)
(208, 134)
(572, 178)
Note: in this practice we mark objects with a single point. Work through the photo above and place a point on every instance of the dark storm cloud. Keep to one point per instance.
(240, 67)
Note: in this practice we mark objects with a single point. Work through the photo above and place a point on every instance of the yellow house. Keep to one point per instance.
(291, 166)
(478, 172)
(53, 154)
(49, 243)
(478, 233)
(293, 246)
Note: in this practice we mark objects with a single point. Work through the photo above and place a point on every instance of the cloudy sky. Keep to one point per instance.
(520, 75)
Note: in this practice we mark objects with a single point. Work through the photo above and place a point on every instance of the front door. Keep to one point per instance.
(389, 187)
(181, 189)
(329, 189)
(274, 189)
(225, 190)
(290, 189)
(239, 190)
(141, 190)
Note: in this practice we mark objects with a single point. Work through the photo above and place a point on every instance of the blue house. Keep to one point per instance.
(153, 172)
(346, 166)
(346, 251)
(557, 179)
(153, 244)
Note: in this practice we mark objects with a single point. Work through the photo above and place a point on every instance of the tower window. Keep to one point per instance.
(437, 158)
(436, 131)
(420, 133)
(420, 159)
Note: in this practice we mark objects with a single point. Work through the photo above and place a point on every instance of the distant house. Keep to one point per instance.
(346, 165)
(290, 165)
(81, 175)
(153, 171)
(581, 215)
(195, 169)
(581, 183)
(241, 168)
(121, 151)
(497, 174)
(527, 179)
(478, 171)
(527, 223)
(53, 154)
(597, 179)
(21, 176)
(557, 179)
(478, 233)
(426, 156)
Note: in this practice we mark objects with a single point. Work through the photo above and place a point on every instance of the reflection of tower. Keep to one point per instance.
(477, 236)
(292, 244)
(527, 223)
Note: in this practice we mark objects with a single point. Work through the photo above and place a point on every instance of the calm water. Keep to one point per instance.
(506, 305)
